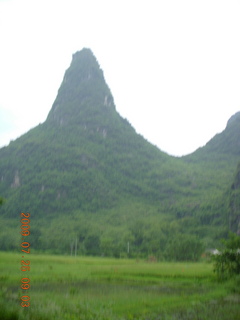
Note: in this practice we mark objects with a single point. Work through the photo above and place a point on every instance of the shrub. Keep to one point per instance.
(227, 262)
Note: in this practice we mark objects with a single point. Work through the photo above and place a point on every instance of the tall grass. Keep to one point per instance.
(101, 288)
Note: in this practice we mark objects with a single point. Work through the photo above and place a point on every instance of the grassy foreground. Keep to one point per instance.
(89, 288)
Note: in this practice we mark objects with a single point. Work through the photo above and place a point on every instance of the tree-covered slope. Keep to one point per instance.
(213, 166)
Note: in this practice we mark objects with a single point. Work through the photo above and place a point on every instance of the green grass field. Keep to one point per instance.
(85, 288)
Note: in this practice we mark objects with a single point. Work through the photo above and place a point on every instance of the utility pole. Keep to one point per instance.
(128, 248)
(76, 248)
(71, 246)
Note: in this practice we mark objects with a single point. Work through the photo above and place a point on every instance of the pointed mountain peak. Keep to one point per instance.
(84, 67)
(83, 91)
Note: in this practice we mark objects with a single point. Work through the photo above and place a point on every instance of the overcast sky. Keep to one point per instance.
(173, 66)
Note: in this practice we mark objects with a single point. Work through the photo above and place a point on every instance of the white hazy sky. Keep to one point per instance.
(173, 66)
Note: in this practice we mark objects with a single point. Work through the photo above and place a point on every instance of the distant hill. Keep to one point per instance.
(86, 173)
(226, 143)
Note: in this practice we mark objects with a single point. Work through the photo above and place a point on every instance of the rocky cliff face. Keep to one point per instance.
(234, 216)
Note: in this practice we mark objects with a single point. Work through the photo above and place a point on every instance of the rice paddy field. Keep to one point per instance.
(90, 288)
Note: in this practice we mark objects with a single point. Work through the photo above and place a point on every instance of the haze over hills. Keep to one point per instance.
(88, 173)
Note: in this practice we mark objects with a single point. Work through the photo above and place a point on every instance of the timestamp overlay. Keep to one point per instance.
(25, 262)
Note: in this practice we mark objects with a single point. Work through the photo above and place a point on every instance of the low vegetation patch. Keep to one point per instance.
(116, 289)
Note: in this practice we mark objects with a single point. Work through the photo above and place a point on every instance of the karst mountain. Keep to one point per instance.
(85, 169)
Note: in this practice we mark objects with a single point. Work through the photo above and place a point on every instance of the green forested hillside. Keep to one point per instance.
(86, 174)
